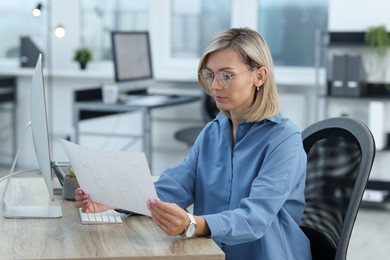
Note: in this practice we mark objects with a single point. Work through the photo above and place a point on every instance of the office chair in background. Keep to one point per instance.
(209, 111)
(340, 154)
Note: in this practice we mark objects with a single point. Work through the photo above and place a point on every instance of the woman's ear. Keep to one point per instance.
(261, 76)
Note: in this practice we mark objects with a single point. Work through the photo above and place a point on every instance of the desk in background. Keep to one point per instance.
(66, 238)
(88, 104)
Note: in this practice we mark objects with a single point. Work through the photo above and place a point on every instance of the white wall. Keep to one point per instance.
(58, 52)
(357, 15)
(66, 14)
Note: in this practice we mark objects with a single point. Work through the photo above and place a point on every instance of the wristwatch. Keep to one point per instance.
(190, 230)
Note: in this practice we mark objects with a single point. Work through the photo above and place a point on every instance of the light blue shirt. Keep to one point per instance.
(250, 194)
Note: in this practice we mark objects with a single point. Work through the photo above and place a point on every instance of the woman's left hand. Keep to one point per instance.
(168, 216)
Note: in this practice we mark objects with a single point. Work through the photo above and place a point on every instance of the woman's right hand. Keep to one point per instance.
(87, 205)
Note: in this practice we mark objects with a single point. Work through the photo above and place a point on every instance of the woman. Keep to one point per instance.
(245, 174)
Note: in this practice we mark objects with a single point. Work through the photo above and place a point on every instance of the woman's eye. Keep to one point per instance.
(206, 74)
(225, 76)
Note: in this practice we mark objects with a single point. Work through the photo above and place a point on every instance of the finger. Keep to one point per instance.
(81, 200)
(80, 197)
(79, 204)
(157, 220)
(169, 230)
(79, 191)
(80, 194)
(158, 214)
(164, 208)
(172, 223)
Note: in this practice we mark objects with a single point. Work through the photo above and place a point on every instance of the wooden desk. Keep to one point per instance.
(66, 238)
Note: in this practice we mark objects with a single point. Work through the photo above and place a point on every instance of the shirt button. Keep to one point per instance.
(241, 127)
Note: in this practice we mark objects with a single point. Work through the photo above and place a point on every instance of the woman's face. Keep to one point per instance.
(235, 95)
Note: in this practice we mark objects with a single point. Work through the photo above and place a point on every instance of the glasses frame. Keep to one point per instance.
(225, 82)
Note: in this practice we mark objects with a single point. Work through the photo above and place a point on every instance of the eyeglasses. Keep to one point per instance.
(225, 78)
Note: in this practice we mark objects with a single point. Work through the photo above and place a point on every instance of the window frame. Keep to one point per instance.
(167, 67)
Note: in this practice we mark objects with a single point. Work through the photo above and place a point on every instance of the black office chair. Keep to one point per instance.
(209, 111)
(340, 153)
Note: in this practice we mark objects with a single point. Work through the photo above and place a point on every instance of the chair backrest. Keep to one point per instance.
(209, 108)
(340, 154)
(209, 112)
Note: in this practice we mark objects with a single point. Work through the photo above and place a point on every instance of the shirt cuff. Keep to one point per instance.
(215, 224)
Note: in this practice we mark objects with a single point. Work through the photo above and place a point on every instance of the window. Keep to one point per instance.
(195, 23)
(180, 32)
(289, 27)
(100, 17)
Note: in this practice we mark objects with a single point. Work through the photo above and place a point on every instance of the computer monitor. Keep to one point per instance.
(131, 55)
(39, 129)
(29, 51)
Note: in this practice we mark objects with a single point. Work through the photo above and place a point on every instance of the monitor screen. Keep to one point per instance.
(131, 55)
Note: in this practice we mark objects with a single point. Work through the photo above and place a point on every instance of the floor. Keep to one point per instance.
(371, 233)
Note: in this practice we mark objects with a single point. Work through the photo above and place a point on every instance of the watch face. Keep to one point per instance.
(191, 230)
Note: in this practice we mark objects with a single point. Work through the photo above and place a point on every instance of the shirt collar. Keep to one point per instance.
(276, 119)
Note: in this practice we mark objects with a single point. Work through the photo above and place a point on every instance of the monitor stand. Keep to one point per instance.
(49, 211)
(35, 211)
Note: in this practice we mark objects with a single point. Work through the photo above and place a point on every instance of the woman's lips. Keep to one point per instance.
(219, 98)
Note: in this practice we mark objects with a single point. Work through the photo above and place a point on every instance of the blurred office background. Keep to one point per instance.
(187, 26)
(179, 31)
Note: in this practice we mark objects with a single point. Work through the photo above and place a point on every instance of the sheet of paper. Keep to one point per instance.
(118, 179)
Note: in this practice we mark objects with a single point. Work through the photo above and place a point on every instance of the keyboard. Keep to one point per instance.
(106, 217)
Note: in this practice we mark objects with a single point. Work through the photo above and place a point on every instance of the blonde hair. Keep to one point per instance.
(254, 52)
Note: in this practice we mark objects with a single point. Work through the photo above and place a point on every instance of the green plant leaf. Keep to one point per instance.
(376, 37)
(71, 173)
(83, 55)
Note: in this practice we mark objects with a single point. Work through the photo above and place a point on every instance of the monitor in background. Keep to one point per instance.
(132, 57)
(40, 137)
(29, 52)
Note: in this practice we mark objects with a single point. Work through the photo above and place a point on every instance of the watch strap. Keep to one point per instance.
(192, 223)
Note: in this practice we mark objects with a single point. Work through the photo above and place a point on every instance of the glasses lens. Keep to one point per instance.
(225, 78)
(207, 76)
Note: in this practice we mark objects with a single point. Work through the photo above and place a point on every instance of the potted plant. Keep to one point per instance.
(83, 56)
(378, 40)
(70, 185)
